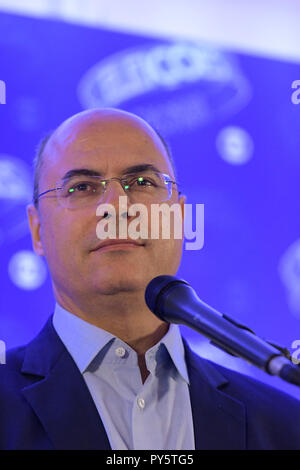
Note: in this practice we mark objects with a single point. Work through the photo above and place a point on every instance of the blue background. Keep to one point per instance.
(249, 267)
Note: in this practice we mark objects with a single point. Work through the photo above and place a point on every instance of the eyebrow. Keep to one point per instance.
(127, 171)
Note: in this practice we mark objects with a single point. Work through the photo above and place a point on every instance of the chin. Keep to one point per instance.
(111, 285)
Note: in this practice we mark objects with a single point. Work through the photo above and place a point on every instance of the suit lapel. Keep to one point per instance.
(219, 420)
(60, 397)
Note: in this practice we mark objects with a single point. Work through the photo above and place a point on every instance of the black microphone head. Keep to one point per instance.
(157, 287)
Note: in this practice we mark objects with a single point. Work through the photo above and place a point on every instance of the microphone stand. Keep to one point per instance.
(288, 374)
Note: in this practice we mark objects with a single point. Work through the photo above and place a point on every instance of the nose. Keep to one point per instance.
(111, 196)
(112, 192)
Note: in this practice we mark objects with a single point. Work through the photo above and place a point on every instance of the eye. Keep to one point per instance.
(143, 181)
(82, 187)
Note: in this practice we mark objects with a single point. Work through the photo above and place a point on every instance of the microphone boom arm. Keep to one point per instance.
(173, 300)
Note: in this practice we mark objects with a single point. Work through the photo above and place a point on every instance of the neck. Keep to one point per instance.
(125, 315)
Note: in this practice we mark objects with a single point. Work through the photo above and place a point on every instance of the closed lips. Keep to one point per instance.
(117, 242)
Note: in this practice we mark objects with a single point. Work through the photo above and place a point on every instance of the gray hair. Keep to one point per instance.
(37, 165)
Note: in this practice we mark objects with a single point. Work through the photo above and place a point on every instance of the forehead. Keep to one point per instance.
(106, 144)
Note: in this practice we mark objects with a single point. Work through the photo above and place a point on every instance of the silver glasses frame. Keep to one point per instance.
(123, 181)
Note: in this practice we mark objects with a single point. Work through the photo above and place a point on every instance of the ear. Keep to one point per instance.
(35, 228)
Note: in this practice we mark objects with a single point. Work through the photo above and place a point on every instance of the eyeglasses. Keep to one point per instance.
(86, 191)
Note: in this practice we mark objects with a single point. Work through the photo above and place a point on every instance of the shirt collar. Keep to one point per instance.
(84, 340)
(174, 345)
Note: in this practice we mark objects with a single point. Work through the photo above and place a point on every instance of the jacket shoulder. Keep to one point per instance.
(272, 416)
(242, 386)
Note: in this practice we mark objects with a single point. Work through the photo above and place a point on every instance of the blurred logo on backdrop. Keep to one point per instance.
(15, 193)
(182, 85)
(27, 270)
(289, 271)
(235, 145)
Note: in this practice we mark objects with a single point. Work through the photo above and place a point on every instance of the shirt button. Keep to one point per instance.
(120, 352)
(141, 403)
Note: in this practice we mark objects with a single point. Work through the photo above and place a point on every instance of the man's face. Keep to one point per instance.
(107, 143)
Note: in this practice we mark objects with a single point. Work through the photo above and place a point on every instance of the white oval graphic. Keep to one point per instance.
(27, 270)
(235, 145)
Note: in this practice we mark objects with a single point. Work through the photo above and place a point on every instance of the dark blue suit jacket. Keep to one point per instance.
(45, 404)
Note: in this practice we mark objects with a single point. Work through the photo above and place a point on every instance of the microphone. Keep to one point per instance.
(173, 300)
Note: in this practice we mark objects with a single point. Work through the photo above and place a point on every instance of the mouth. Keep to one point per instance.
(117, 245)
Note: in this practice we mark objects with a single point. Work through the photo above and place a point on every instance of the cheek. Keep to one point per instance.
(165, 234)
(166, 255)
(62, 235)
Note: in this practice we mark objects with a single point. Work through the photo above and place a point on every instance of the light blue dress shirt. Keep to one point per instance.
(153, 415)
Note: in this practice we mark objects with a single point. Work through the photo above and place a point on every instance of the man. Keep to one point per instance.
(105, 372)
